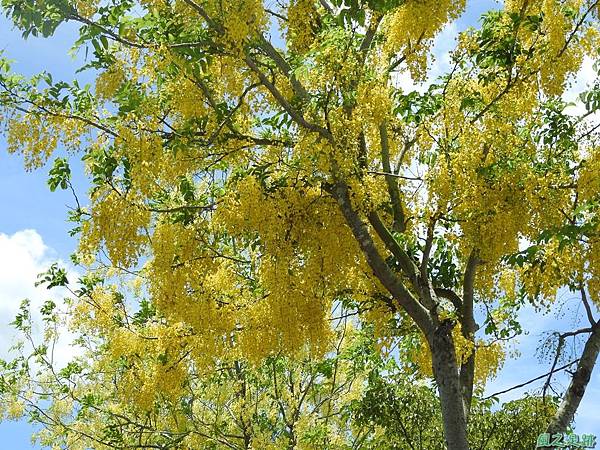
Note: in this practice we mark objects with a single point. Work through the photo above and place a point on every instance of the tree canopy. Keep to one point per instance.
(259, 175)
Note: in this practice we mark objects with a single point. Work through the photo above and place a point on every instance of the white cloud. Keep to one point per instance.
(23, 255)
(581, 81)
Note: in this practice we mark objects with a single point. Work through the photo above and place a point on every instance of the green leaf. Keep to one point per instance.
(53, 277)
(59, 175)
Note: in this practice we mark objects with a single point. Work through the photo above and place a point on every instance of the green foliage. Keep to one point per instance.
(38, 17)
(59, 175)
(55, 276)
(415, 107)
(22, 321)
(409, 414)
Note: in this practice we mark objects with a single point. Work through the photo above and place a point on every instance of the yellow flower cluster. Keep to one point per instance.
(108, 82)
(86, 8)
(119, 223)
(302, 16)
(192, 286)
(555, 268)
(374, 103)
(411, 28)
(308, 256)
(37, 136)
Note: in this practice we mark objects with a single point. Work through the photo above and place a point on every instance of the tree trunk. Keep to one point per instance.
(570, 402)
(467, 377)
(467, 368)
(445, 372)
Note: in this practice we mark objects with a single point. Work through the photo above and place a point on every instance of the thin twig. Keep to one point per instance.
(530, 381)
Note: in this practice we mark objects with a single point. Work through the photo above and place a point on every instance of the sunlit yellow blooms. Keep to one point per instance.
(303, 270)
(302, 15)
(15, 410)
(543, 277)
(411, 28)
(37, 136)
(589, 182)
(379, 318)
(119, 223)
(255, 190)
(107, 83)
(187, 97)
(87, 8)
(489, 360)
(240, 18)
(375, 102)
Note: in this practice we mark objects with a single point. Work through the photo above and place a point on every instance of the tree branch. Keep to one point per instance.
(468, 328)
(294, 114)
(398, 224)
(586, 305)
(533, 380)
(282, 65)
(449, 294)
(407, 265)
(380, 268)
(369, 36)
(581, 377)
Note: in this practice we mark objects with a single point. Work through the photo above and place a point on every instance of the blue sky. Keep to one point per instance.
(33, 228)
(25, 197)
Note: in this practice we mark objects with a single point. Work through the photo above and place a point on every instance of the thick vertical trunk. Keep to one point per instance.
(467, 369)
(445, 367)
(446, 374)
(581, 377)
(467, 376)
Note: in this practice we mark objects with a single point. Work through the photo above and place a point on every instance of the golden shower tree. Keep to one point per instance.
(256, 166)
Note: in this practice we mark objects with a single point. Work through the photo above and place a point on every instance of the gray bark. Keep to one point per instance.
(421, 310)
(467, 369)
(446, 374)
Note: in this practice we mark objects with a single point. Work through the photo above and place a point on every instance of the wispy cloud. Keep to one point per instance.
(24, 255)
